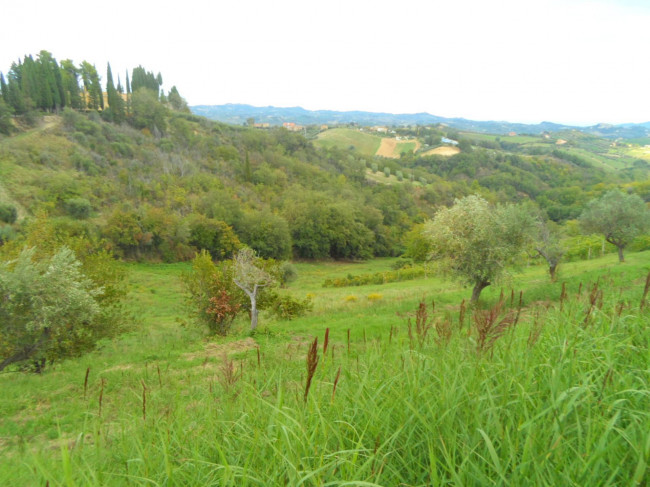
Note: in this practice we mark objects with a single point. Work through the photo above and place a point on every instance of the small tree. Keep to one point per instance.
(618, 216)
(48, 308)
(250, 277)
(213, 298)
(477, 241)
(548, 245)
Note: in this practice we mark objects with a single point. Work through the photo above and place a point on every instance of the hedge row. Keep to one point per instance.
(405, 274)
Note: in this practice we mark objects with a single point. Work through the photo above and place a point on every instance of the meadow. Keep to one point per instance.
(544, 384)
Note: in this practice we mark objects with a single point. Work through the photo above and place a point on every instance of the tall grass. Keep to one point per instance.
(560, 399)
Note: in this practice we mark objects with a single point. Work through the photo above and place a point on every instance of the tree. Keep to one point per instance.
(250, 277)
(6, 118)
(618, 216)
(92, 87)
(267, 233)
(147, 111)
(547, 243)
(477, 241)
(115, 101)
(44, 304)
(176, 101)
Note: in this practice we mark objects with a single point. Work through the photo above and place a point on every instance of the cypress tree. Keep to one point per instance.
(115, 102)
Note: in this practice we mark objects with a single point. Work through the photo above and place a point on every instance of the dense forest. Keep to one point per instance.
(130, 168)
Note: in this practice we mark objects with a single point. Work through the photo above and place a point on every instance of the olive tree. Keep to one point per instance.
(546, 240)
(48, 308)
(620, 217)
(477, 241)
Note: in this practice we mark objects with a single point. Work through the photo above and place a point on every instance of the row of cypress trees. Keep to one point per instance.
(42, 83)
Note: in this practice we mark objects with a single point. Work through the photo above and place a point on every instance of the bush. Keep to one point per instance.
(50, 309)
(288, 307)
(287, 273)
(212, 297)
(78, 208)
(404, 274)
(8, 213)
(6, 233)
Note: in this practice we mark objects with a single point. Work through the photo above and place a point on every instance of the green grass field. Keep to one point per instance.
(559, 398)
(363, 143)
(404, 147)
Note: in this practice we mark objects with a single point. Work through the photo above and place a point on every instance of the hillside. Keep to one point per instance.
(150, 195)
(238, 114)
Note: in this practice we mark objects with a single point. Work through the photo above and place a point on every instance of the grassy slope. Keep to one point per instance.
(570, 410)
(363, 143)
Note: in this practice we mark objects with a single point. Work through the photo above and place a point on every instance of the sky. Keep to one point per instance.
(567, 61)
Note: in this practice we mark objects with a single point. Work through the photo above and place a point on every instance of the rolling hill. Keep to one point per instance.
(239, 113)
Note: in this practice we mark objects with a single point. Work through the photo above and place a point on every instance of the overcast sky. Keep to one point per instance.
(567, 61)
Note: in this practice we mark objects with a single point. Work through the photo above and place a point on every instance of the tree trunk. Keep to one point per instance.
(478, 287)
(552, 270)
(620, 254)
(254, 312)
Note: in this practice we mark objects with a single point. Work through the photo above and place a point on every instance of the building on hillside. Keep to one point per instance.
(265, 125)
(324, 127)
(292, 127)
(445, 140)
(512, 134)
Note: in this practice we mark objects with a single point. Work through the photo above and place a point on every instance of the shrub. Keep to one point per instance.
(78, 208)
(6, 233)
(288, 273)
(405, 274)
(8, 213)
(207, 281)
(50, 309)
(375, 296)
(287, 307)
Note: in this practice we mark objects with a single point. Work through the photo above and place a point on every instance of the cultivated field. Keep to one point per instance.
(367, 144)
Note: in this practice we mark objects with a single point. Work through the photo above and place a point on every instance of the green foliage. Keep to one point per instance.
(417, 244)
(212, 297)
(148, 112)
(266, 233)
(214, 236)
(49, 308)
(477, 242)
(8, 213)
(618, 216)
(6, 118)
(7, 233)
(398, 275)
(287, 273)
(287, 307)
(79, 208)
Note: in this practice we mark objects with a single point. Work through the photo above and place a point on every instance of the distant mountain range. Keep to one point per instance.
(238, 114)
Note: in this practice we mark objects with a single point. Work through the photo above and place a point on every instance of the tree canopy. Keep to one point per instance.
(477, 241)
(620, 217)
